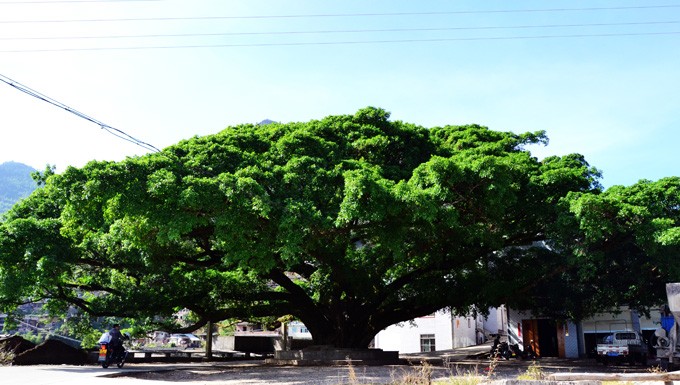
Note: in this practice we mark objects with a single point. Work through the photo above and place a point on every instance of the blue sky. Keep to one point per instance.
(613, 98)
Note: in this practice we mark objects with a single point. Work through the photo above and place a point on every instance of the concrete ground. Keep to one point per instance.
(444, 364)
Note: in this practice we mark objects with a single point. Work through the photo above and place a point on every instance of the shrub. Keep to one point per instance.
(6, 355)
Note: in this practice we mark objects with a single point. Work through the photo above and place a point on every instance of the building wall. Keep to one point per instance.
(565, 339)
(620, 320)
(467, 331)
(449, 331)
(405, 337)
(514, 329)
(571, 341)
(562, 338)
(495, 321)
(596, 327)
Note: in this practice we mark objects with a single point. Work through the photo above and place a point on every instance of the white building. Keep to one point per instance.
(547, 337)
(298, 330)
(439, 331)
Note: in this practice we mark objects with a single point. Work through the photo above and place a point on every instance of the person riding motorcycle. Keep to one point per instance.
(112, 347)
(116, 341)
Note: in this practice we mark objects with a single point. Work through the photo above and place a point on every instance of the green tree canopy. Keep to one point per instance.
(624, 244)
(350, 223)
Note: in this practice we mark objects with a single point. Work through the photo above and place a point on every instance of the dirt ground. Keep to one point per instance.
(258, 373)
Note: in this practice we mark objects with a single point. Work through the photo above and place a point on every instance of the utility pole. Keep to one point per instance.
(208, 340)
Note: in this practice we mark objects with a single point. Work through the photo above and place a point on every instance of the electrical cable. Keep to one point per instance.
(343, 31)
(112, 130)
(496, 38)
(47, 332)
(432, 13)
(69, 1)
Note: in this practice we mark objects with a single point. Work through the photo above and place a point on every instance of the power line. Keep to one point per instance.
(343, 31)
(111, 130)
(432, 13)
(48, 332)
(497, 38)
(70, 1)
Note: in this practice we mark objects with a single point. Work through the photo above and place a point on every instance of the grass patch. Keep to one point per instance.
(656, 370)
(534, 372)
(466, 379)
(421, 375)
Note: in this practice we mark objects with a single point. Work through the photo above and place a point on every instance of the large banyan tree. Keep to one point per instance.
(350, 224)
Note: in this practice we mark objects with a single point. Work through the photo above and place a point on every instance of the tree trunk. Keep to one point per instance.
(349, 334)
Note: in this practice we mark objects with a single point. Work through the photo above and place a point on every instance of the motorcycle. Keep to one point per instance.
(500, 350)
(108, 356)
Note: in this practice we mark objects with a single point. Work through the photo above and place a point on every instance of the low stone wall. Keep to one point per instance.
(540, 382)
(174, 356)
(665, 377)
(328, 355)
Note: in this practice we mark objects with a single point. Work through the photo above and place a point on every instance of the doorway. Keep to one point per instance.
(541, 334)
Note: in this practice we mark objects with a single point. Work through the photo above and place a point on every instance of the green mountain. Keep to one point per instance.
(15, 183)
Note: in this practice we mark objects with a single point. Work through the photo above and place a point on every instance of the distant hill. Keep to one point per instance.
(15, 183)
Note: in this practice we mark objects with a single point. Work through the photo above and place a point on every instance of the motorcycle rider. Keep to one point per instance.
(116, 340)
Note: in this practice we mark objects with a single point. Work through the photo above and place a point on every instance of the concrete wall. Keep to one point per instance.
(223, 343)
(247, 343)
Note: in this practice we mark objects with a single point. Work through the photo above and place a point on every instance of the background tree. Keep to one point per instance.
(351, 224)
(15, 183)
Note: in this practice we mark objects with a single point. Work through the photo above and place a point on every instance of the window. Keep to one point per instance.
(427, 343)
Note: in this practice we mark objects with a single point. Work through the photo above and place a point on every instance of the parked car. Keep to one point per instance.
(186, 340)
(624, 346)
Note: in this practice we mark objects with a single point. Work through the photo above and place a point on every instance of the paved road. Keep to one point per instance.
(65, 374)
